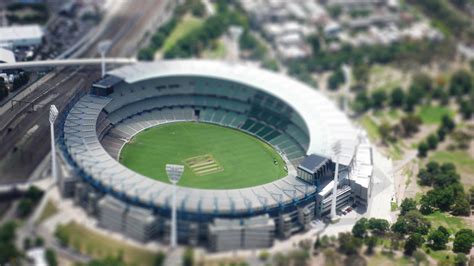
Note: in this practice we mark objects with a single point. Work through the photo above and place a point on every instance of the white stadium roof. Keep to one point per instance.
(326, 124)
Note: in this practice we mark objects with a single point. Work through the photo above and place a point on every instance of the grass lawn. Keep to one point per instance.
(386, 260)
(49, 210)
(215, 157)
(445, 257)
(186, 25)
(371, 127)
(98, 246)
(461, 159)
(452, 223)
(430, 114)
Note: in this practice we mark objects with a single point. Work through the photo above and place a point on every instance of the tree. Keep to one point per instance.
(441, 132)
(413, 242)
(146, 54)
(385, 131)
(62, 236)
(51, 257)
(412, 222)
(438, 240)
(407, 205)
(460, 260)
(349, 244)
(461, 207)
(371, 243)
(280, 259)
(461, 83)
(24, 207)
(263, 256)
(378, 99)
(423, 149)
(422, 82)
(360, 228)
(298, 257)
(443, 230)
(397, 97)
(270, 64)
(447, 123)
(313, 40)
(362, 102)
(335, 10)
(432, 141)
(34, 193)
(188, 257)
(159, 259)
(8, 251)
(26, 243)
(378, 226)
(361, 73)
(463, 241)
(336, 79)
(39, 241)
(466, 109)
(410, 124)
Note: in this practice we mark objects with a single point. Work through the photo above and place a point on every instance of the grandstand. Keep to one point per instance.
(295, 119)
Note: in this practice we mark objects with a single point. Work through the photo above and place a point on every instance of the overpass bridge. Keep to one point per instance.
(66, 62)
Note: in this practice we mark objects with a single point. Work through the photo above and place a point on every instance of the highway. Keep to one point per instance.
(24, 126)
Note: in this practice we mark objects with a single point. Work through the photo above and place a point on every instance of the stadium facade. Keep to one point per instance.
(298, 121)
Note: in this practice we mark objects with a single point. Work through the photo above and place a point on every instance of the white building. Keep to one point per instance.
(6, 56)
(15, 36)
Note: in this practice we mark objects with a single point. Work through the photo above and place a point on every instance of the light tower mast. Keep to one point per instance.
(336, 152)
(174, 172)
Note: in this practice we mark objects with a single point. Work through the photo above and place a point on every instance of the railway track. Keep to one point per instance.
(125, 29)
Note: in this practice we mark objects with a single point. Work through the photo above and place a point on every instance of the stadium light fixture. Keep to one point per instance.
(103, 47)
(53, 114)
(336, 152)
(174, 172)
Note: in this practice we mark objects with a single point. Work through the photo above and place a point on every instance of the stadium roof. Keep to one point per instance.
(326, 124)
(312, 163)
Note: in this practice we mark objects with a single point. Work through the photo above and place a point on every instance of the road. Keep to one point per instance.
(24, 127)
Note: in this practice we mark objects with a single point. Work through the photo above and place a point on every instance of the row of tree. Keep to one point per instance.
(431, 143)
(420, 52)
(448, 193)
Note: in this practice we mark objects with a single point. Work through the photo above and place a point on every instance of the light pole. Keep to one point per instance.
(174, 172)
(347, 73)
(336, 151)
(235, 33)
(53, 114)
(103, 47)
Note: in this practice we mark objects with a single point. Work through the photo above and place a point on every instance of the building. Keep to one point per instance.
(18, 36)
(6, 56)
(298, 121)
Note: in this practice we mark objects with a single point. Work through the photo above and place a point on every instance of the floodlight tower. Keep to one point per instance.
(103, 47)
(336, 152)
(347, 73)
(235, 33)
(174, 172)
(53, 114)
